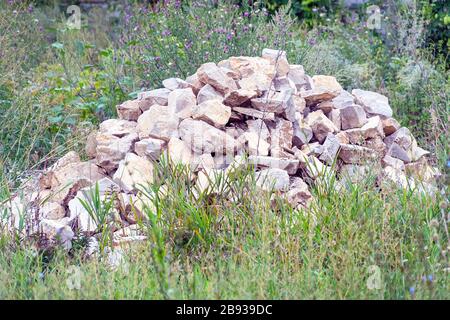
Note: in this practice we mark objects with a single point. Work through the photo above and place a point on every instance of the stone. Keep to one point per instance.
(302, 134)
(299, 103)
(372, 129)
(213, 112)
(181, 102)
(176, 83)
(259, 127)
(297, 76)
(284, 84)
(324, 88)
(396, 151)
(290, 165)
(111, 150)
(195, 83)
(352, 116)
(421, 171)
(402, 137)
(155, 97)
(314, 167)
(68, 158)
(390, 176)
(255, 113)
(117, 127)
(343, 137)
(373, 103)
(132, 109)
(330, 149)
(231, 73)
(256, 145)
(418, 153)
(272, 179)
(211, 181)
(320, 125)
(390, 125)
(343, 99)
(238, 97)
(356, 154)
(134, 172)
(150, 148)
(59, 231)
(335, 117)
(127, 235)
(52, 211)
(281, 138)
(393, 162)
(179, 152)
(211, 74)
(203, 162)
(91, 145)
(207, 92)
(352, 173)
(279, 59)
(204, 138)
(277, 102)
(298, 193)
(158, 122)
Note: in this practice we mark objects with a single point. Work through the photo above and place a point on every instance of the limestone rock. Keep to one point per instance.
(330, 149)
(117, 127)
(393, 162)
(111, 149)
(132, 109)
(207, 92)
(259, 127)
(352, 116)
(179, 152)
(59, 231)
(272, 179)
(320, 125)
(212, 111)
(211, 74)
(195, 83)
(158, 122)
(255, 113)
(134, 172)
(176, 83)
(256, 145)
(324, 88)
(344, 99)
(299, 193)
(52, 211)
(238, 97)
(302, 133)
(281, 138)
(204, 138)
(150, 148)
(297, 76)
(373, 102)
(181, 102)
(277, 58)
(356, 154)
(390, 125)
(155, 97)
(290, 165)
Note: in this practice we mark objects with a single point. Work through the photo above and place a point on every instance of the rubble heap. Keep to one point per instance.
(293, 128)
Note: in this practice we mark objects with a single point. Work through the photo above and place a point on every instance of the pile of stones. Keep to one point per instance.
(292, 128)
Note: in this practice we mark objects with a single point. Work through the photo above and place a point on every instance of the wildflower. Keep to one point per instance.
(166, 33)
(246, 14)
(430, 278)
(412, 291)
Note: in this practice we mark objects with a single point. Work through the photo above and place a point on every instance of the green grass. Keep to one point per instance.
(252, 248)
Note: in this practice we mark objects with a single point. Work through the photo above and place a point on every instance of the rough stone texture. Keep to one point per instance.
(158, 122)
(211, 74)
(212, 111)
(150, 148)
(155, 97)
(390, 125)
(330, 149)
(134, 172)
(207, 92)
(320, 125)
(356, 154)
(277, 58)
(179, 152)
(281, 138)
(373, 102)
(324, 88)
(111, 149)
(352, 116)
(176, 83)
(272, 179)
(238, 97)
(256, 144)
(302, 134)
(132, 109)
(181, 102)
(290, 165)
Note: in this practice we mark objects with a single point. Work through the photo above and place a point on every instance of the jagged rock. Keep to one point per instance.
(357, 173)
(390, 176)
(297, 76)
(207, 92)
(238, 97)
(132, 109)
(343, 137)
(314, 167)
(393, 162)
(59, 231)
(211, 74)
(421, 171)
(281, 138)
(212, 111)
(299, 103)
(373, 102)
(372, 129)
(324, 88)
(203, 162)
(290, 165)
(231, 73)
(352, 116)
(181, 102)
(330, 149)
(155, 97)
(53, 211)
(255, 113)
(118, 127)
(335, 117)
(134, 172)
(284, 84)
(343, 99)
(298, 193)
(150, 148)
(211, 180)
(111, 149)
(176, 83)
(302, 134)
(356, 154)
(256, 145)
(256, 73)
(390, 125)
(91, 145)
(195, 83)
(158, 122)
(68, 158)
(179, 152)
(259, 127)
(277, 58)
(204, 138)
(272, 179)
(320, 125)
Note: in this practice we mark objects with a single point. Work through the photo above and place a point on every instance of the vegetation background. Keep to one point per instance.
(57, 84)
